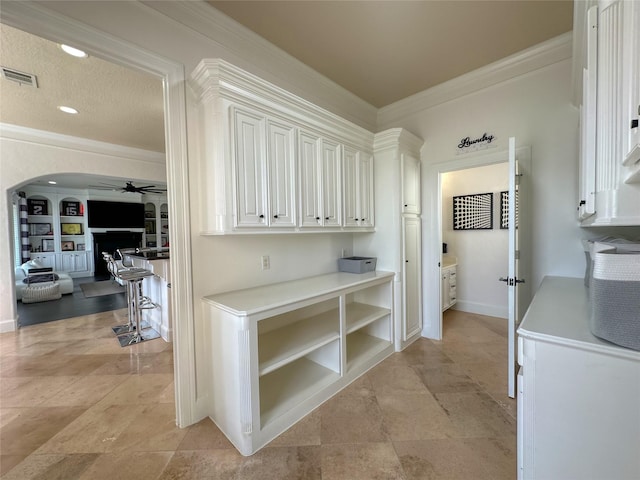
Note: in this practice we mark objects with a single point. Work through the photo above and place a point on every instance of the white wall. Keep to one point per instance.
(482, 254)
(535, 108)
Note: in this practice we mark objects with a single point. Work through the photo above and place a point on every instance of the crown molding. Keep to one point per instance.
(397, 138)
(253, 53)
(43, 137)
(218, 78)
(546, 53)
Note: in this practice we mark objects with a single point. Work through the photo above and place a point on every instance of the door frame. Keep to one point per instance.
(432, 194)
(40, 21)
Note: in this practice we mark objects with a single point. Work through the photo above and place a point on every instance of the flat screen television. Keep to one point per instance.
(103, 214)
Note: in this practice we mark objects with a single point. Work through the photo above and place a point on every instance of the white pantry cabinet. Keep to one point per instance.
(398, 245)
(277, 352)
(578, 396)
(269, 161)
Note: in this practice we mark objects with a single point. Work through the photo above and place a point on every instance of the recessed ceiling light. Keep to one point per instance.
(73, 51)
(52, 182)
(70, 110)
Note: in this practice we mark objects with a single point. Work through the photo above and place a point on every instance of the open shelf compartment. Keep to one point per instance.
(359, 315)
(287, 387)
(361, 347)
(285, 338)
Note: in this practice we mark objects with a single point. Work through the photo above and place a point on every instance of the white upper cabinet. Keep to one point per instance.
(410, 184)
(320, 181)
(265, 175)
(282, 174)
(250, 163)
(331, 214)
(610, 165)
(270, 161)
(357, 176)
(631, 75)
(310, 183)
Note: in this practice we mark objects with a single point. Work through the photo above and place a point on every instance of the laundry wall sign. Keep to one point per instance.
(472, 144)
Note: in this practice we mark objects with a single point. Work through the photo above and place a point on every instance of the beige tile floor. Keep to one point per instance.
(75, 405)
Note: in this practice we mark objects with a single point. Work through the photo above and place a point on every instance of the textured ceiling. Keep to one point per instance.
(384, 51)
(116, 105)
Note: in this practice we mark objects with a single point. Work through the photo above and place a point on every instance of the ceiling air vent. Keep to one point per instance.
(20, 77)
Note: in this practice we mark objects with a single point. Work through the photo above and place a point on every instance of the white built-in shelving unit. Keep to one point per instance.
(278, 351)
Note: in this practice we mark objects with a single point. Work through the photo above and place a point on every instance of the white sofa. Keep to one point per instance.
(64, 280)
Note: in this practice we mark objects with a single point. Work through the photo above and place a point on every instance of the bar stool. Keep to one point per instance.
(133, 331)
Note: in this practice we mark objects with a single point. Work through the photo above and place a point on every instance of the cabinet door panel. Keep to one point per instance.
(331, 186)
(365, 190)
(309, 181)
(351, 184)
(411, 284)
(281, 175)
(250, 169)
(410, 184)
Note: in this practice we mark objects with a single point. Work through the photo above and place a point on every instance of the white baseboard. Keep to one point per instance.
(8, 325)
(481, 309)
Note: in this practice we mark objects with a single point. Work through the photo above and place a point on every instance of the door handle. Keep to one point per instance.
(502, 279)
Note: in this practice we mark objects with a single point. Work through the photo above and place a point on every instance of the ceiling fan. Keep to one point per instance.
(129, 187)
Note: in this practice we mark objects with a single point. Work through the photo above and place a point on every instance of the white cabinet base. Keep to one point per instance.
(279, 351)
(579, 396)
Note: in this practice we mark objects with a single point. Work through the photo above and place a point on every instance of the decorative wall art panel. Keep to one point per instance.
(473, 212)
(504, 210)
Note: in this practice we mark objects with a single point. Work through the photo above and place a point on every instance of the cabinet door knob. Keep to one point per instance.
(405, 204)
(326, 218)
(356, 219)
(317, 218)
(275, 216)
(634, 123)
(261, 216)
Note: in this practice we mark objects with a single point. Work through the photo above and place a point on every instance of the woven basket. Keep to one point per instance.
(41, 293)
(615, 298)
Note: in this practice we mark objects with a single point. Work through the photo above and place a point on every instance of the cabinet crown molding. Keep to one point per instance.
(395, 137)
(218, 78)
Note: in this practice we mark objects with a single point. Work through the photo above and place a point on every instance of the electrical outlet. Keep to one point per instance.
(266, 262)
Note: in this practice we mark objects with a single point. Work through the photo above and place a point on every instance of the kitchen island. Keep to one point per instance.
(157, 288)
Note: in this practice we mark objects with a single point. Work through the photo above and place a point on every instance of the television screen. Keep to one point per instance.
(103, 214)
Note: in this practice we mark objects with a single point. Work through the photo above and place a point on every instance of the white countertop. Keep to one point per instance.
(259, 299)
(559, 313)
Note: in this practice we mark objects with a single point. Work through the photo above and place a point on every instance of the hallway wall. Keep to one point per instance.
(482, 254)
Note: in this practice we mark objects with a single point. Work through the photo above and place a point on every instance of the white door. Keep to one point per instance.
(513, 280)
